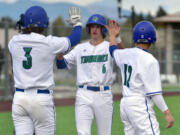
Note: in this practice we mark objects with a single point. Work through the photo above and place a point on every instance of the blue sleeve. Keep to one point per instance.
(75, 36)
(112, 49)
(61, 64)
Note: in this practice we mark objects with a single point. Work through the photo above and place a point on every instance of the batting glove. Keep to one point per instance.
(75, 17)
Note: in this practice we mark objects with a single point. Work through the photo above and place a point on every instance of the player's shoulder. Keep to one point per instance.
(105, 42)
(52, 38)
(147, 57)
(127, 51)
(27, 38)
(30, 36)
(15, 38)
(82, 45)
(152, 59)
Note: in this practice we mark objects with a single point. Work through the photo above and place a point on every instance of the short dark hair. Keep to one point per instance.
(39, 30)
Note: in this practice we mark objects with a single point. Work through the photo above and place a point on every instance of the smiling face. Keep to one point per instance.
(96, 31)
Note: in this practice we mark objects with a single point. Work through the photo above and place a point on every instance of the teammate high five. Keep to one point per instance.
(141, 81)
(33, 55)
(94, 78)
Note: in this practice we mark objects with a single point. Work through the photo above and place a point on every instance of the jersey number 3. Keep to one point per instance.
(27, 64)
(127, 74)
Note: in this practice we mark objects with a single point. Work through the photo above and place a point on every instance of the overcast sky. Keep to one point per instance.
(171, 6)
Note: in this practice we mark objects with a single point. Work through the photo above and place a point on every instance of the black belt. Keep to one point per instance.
(46, 91)
(95, 88)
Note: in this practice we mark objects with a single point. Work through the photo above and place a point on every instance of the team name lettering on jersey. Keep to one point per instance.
(94, 58)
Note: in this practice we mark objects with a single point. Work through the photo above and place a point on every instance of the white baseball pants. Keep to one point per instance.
(90, 104)
(33, 112)
(138, 116)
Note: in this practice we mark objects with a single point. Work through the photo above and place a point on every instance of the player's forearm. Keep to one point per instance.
(61, 64)
(112, 43)
(75, 36)
(112, 40)
(160, 103)
(167, 112)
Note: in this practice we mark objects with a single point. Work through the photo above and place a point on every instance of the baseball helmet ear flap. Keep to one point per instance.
(104, 31)
(20, 23)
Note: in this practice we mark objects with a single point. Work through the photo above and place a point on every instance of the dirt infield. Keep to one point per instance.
(5, 106)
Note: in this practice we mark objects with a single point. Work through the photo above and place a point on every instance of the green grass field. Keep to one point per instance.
(66, 120)
(171, 88)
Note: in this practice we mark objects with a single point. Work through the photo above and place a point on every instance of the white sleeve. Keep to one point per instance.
(159, 101)
(70, 58)
(59, 44)
(151, 79)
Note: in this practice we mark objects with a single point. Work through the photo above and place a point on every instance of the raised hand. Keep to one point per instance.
(75, 17)
(113, 30)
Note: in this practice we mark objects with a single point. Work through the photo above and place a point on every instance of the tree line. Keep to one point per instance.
(60, 28)
(136, 17)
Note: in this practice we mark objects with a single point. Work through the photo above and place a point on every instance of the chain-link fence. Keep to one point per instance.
(66, 79)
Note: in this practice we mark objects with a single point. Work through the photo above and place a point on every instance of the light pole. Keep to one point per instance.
(132, 16)
(119, 8)
(125, 16)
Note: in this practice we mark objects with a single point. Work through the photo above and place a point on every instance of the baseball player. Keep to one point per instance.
(94, 78)
(141, 81)
(33, 55)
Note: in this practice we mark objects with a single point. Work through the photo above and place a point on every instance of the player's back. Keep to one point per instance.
(32, 58)
(134, 64)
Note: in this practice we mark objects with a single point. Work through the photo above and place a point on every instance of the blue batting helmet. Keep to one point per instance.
(144, 32)
(97, 19)
(36, 16)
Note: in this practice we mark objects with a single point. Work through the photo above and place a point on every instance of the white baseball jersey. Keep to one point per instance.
(94, 64)
(33, 57)
(141, 80)
(94, 68)
(140, 72)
